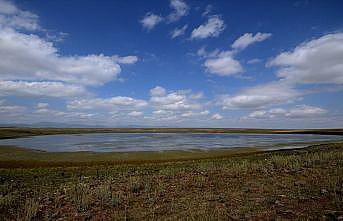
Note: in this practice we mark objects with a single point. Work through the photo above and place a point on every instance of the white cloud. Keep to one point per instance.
(248, 39)
(205, 112)
(198, 95)
(29, 57)
(40, 89)
(85, 115)
(135, 113)
(150, 20)
(7, 7)
(8, 109)
(212, 28)
(112, 103)
(195, 114)
(207, 10)
(305, 111)
(260, 96)
(164, 116)
(223, 64)
(316, 61)
(178, 31)
(176, 106)
(277, 111)
(299, 111)
(162, 112)
(205, 54)
(257, 114)
(49, 112)
(9, 113)
(216, 117)
(12, 17)
(177, 101)
(158, 91)
(254, 61)
(31, 65)
(42, 105)
(125, 60)
(180, 9)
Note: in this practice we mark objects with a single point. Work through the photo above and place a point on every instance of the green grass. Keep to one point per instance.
(303, 184)
(12, 157)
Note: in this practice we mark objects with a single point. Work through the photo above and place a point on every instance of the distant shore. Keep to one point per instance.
(13, 132)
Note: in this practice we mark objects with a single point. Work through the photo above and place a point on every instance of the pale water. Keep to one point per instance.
(122, 142)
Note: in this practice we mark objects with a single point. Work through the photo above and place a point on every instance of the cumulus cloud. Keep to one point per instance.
(260, 96)
(178, 31)
(44, 110)
(207, 10)
(202, 52)
(162, 112)
(42, 105)
(212, 28)
(180, 9)
(179, 100)
(29, 57)
(248, 39)
(150, 20)
(50, 112)
(299, 111)
(176, 106)
(8, 109)
(31, 65)
(216, 117)
(223, 64)
(125, 60)
(158, 91)
(111, 103)
(257, 114)
(305, 111)
(9, 113)
(254, 61)
(135, 113)
(195, 114)
(40, 89)
(316, 61)
(13, 17)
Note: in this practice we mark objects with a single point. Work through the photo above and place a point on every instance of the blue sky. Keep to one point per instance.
(177, 63)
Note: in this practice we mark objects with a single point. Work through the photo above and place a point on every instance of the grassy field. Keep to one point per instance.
(25, 132)
(303, 184)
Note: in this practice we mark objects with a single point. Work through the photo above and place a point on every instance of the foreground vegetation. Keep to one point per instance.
(290, 184)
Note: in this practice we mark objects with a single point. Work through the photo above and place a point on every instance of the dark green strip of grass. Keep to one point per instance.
(16, 157)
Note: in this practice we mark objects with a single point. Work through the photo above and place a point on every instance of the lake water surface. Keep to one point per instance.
(123, 142)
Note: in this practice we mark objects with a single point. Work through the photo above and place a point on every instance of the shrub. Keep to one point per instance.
(31, 207)
(80, 196)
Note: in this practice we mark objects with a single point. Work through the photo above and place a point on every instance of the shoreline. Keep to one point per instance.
(18, 157)
(10, 133)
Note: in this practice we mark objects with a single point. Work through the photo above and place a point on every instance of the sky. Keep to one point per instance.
(172, 63)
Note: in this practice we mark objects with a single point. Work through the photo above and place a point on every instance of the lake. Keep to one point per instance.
(124, 142)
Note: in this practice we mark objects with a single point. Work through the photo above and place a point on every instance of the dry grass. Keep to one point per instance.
(304, 184)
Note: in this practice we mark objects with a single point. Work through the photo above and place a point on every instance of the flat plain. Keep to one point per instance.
(249, 184)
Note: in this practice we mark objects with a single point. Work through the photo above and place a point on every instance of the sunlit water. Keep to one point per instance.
(122, 142)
